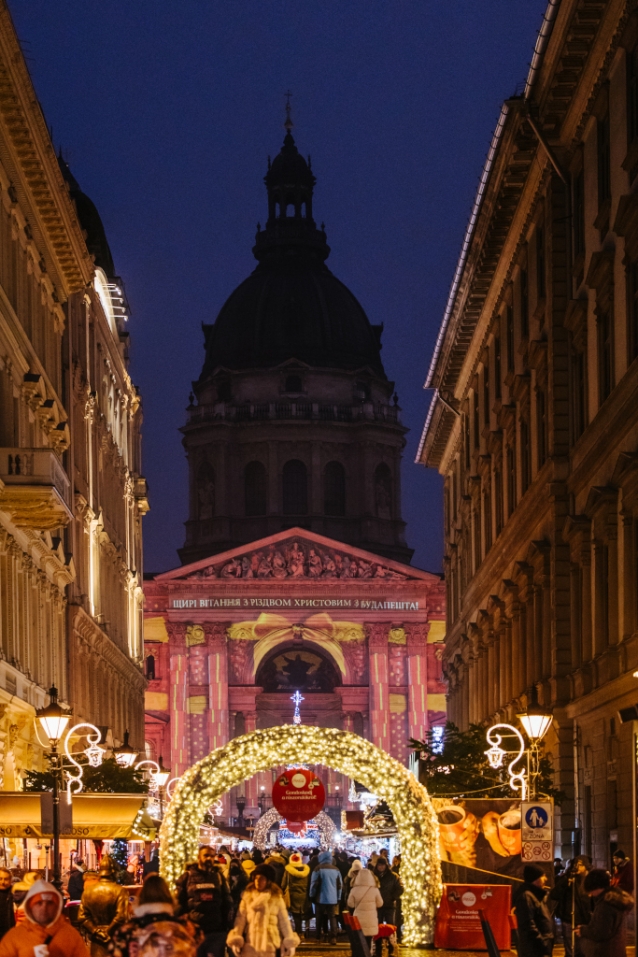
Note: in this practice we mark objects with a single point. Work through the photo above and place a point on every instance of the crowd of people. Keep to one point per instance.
(251, 904)
(588, 904)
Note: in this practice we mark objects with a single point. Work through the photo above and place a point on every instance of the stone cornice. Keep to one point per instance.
(39, 184)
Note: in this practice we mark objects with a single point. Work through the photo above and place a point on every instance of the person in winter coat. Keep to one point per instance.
(154, 929)
(365, 900)
(573, 904)
(262, 926)
(44, 930)
(325, 891)
(391, 890)
(608, 925)
(75, 884)
(295, 888)
(248, 868)
(535, 923)
(7, 912)
(278, 864)
(623, 873)
(204, 896)
(237, 881)
(350, 877)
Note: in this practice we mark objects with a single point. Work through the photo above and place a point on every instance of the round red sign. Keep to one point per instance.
(298, 794)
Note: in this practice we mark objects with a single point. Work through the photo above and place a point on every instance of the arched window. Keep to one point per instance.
(256, 488)
(295, 488)
(206, 491)
(383, 491)
(293, 383)
(150, 667)
(334, 489)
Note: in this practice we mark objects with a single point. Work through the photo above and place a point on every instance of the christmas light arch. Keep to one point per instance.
(347, 753)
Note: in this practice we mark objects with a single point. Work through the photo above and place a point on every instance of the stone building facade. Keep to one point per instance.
(70, 492)
(229, 639)
(534, 420)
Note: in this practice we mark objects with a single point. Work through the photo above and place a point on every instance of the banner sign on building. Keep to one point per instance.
(298, 794)
(481, 833)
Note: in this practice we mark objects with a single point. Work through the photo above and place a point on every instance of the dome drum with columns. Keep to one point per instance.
(293, 420)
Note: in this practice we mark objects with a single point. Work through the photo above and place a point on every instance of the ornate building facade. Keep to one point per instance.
(295, 574)
(230, 638)
(534, 420)
(70, 492)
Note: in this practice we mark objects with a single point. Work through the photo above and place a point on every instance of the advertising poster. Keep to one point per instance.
(483, 833)
(298, 794)
(458, 923)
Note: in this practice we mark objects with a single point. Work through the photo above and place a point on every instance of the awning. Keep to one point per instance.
(94, 816)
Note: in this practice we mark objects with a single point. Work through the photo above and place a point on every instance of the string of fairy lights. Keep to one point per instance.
(347, 753)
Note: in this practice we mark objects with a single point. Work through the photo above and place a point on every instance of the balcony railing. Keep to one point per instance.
(247, 412)
(34, 488)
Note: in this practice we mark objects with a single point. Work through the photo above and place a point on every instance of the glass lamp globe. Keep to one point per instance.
(536, 722)
(53, 718)
(125, 755)
(162, 776)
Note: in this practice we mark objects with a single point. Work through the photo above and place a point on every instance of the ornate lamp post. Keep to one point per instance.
(536, 723)
(125, 755)
(53, 720)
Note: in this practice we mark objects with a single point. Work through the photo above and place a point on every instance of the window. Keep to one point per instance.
(223, 390)
(150, 667)
(632, 95)
(383, 491)
(578, 212)
(476, 423)
(334, 489)
(486, 393)
(497, 367)
(487, 518)
(524, 304)
(525, 456)
(632, 308)
(577, 391)
(256, 488)
(540, 262)
(206, 491)
(509, 334)
(498, 500)
(295, 488)
(294, 383)
(466, 440)
(604, 160)
(510, 460)
(605, 355)
(541, 427)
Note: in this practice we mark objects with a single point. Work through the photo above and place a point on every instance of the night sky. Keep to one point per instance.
(167, 112)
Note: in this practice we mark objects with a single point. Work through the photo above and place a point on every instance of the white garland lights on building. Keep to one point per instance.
(343, 751)
(325, 825)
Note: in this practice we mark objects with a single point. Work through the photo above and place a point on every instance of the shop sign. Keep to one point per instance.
(458, 922)
(298, 794)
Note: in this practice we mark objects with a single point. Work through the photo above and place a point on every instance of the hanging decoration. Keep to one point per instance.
(297, 698)
(298, 794)
(347, 753)
(323, 822)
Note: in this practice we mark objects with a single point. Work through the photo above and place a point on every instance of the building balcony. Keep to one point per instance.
(317, 411)
(34, 489)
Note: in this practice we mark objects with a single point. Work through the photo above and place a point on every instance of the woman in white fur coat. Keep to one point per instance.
(363, 900)
(262, 925)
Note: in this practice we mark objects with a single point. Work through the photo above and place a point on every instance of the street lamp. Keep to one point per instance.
(125, 755)
(53, 720)
(536, 722)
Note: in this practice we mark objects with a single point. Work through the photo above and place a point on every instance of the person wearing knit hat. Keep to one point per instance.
(295, 888)
(623, 872)
(44, 931)
(607, 928)
(248, 867)
(535, 923)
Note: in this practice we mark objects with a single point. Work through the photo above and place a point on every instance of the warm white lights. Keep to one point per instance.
(162, 774)
(93, 753)
(53, 719)
(518, 779)
(125, 755)
(347, 753)
(536, 721)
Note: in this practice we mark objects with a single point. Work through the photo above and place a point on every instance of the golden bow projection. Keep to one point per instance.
(272, 630)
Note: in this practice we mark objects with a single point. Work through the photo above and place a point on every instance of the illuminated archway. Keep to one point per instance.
(347, 753)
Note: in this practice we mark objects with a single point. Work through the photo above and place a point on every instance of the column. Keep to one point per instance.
(379, 702)
(627, 577)
(177, 694)
(417, 648)
(218, 682)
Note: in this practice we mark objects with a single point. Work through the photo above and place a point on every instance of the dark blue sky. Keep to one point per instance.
(167, 111)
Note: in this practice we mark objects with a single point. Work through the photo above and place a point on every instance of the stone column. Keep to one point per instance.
(379, 703)
(627, 577)
(218, 678)
(251, 789)
(178, 692)
(417, 648)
